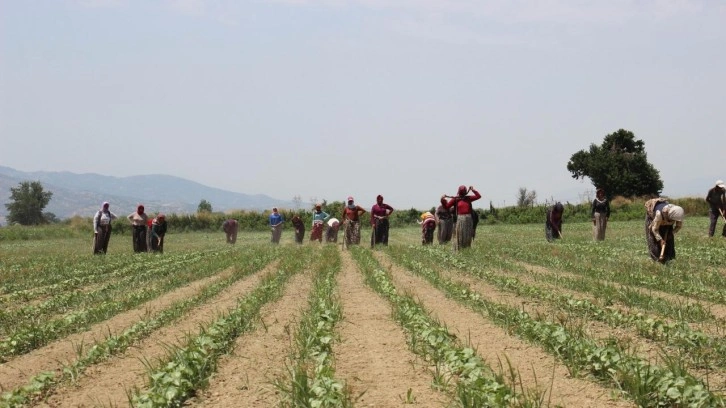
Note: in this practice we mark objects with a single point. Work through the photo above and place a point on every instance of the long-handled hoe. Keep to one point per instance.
(661, 258)
(373, 233)
(344, 244)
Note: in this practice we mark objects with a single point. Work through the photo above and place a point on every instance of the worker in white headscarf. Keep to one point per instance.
(663, 220)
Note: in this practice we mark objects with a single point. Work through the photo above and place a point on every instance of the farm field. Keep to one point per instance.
(514, 321)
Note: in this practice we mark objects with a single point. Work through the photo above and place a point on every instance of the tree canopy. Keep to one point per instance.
(619, 165)
(27, 202)
(204, 206)
(526, 198)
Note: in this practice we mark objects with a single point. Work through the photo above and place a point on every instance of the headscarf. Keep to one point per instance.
(559, 207)
(104, 205)
(140, 209)
(159, 220)
(426, 215)
(676, 213)
(351, 203)
(462, 190)
(379, 198)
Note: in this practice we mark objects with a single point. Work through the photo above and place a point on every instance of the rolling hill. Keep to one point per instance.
(82, 194)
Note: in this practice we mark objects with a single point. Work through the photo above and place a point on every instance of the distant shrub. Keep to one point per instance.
(621, 209)
(693, 205)
(22, 233)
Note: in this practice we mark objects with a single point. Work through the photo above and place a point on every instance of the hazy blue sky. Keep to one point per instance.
(333, 98)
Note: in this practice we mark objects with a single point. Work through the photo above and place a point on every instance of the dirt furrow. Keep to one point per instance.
(107, 384)
(537, 369)
(597, 330)
(18, 371)
(245, 378)
(373, 357)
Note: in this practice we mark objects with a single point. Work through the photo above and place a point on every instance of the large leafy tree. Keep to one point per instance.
(620, 166)
(27, 202)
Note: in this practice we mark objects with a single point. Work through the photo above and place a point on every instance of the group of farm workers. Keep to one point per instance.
(457, 207)
(147, 236)
(319, 223)
(324, 224)
(662, 220)
(455, 218)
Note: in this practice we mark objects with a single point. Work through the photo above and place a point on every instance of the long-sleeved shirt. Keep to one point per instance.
(102, 218)
(659, 220)
(297, 223)
(138, 220)
(716, 198)
(600, 206)
(463, 204)
(381, 210)
(554, 218)
(319, 217)
(230, 225)
(276, 219)
(158, 229)
(443, 213)
(428, 223)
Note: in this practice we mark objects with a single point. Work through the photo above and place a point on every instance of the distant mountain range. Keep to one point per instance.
(82, 194)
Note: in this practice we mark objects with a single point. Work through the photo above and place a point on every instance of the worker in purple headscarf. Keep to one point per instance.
(379, 221)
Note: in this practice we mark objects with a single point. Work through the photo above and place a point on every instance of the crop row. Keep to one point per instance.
(59, 276)
(32, 334)
(608, 292)
(648, 385)
(116, 283)
(702, 349)
(188, 367)
(477, 385)
(44, 383)
(35, 275)
(691, 278)
(311, 380)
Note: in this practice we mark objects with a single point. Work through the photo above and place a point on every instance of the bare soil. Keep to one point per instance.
(109, 383)
(373, 357)
(538, 371)
(246, 377)
(21, 369)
